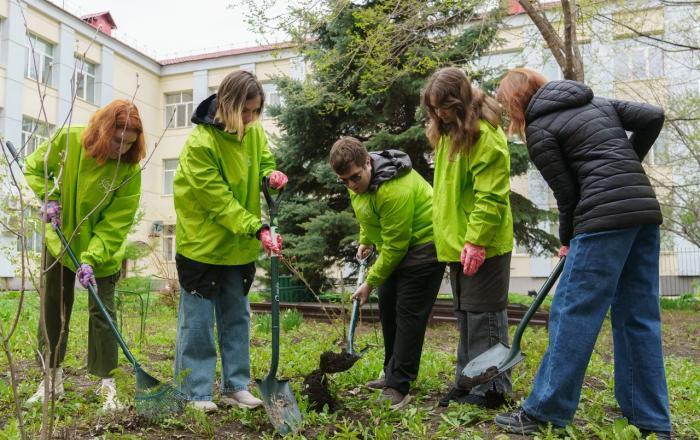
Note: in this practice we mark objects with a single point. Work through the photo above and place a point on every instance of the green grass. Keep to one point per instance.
(77, 415)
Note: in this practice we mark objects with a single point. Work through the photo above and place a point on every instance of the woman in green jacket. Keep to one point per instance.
(219, 231)
(472, 219)
(89, 180)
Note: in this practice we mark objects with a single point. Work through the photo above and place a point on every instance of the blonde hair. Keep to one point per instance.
(234, 91)
(451, 88)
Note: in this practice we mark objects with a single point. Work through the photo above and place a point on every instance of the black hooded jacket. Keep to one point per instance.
(205, 113)
(387, 165)
(580, 145)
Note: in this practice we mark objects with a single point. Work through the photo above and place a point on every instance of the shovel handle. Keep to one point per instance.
(356, 305)
(98, 301)
(91, 288)
(272, 202)
(13, 151)
(272, 205)
(541, 294)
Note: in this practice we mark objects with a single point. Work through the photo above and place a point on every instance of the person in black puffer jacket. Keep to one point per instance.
(609, 228)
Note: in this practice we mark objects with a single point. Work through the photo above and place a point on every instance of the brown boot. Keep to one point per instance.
(395, 397)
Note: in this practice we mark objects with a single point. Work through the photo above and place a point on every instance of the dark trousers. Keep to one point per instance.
(405, 302)
(480, 307)
(102, 345)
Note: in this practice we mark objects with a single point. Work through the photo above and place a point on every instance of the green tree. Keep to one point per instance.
(369, 62)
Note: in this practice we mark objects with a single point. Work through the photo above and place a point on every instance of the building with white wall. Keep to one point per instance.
(49, 54)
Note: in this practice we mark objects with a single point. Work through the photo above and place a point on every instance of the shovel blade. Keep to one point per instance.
(511, 362)
(493, 357)
(280, 405)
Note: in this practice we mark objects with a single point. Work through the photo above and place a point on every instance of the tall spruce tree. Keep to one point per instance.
(369, 61)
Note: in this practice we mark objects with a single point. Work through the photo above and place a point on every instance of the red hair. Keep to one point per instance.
(118, 115)
(514, 94)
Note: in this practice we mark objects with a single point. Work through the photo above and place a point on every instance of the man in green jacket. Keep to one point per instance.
(393, 205)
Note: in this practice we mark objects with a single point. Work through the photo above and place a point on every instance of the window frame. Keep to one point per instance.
(169, 172)
(40, 133)
(82, 68)
(45, 71)
(168, 249)
(176, 106)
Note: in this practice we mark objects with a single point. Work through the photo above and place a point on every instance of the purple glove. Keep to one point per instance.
(51, 212)
(86, 275)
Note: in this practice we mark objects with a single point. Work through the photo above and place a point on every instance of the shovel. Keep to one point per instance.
(154, 399)
(278, 398)
(337, 362)
(501, 358)
(356, 309)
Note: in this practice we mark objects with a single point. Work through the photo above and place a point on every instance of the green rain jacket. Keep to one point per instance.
(101, 238)
(217, 192)
(472, 196)
(393, 217)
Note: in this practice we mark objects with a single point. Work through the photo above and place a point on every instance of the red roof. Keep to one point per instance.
(225, 53)
(105, 14)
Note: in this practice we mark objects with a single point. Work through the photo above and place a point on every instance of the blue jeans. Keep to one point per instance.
(614, 270)
(195, 356)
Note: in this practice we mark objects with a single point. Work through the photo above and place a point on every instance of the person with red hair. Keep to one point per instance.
(89, 180)
(609, 221)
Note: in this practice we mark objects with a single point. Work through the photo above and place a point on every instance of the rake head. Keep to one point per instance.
(155, 400)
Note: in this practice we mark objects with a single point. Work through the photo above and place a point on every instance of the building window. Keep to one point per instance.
(85, 80)
(169, 167)
(34, 132)
(633, 63)
(169, 242)
(39, 59)
(32, 232)
(178, 106)
(272, 98)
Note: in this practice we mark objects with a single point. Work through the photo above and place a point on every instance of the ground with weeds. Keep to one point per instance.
(359, 415)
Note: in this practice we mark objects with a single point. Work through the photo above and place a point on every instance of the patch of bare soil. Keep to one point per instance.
(681, 334)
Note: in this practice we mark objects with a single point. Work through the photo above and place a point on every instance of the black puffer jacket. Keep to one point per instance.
(579, 144)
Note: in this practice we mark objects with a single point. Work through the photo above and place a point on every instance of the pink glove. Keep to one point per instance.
(86, 275)
(268, 245)
(277, 180)
(51, 212)
(472, 258)
(564, 251)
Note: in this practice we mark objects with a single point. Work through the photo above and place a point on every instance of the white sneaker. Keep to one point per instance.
(108, 392)
(203, 405)
(241, 399)
(38, 396)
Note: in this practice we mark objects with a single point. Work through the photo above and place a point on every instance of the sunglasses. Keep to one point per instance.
(355, 178)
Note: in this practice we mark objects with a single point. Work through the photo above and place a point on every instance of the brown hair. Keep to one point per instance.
(118, 115)
(347, 151)
(451, 88)
(235, 89)
(514, 94)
